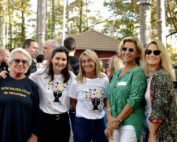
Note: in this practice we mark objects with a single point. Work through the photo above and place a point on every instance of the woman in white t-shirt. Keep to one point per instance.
(88, 93)
(54, 83)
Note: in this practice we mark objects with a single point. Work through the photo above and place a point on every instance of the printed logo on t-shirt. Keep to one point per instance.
(57, 88)
(94, 95)
(15, 91)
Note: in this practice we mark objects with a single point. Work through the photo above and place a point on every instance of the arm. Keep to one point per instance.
(153, 131)
(73, 103)
(161, 84)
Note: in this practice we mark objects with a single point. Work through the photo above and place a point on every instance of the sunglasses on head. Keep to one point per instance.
(155, 52)
(17, 61)
(129, 49)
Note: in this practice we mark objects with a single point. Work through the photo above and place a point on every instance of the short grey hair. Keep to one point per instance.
(53, 43)
(22, 51)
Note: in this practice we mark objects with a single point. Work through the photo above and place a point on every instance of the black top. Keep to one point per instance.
(31, 69)
(3, 67)
(19, 109)
(74, 62)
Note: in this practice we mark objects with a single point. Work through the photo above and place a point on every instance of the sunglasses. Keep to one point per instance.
(129, 49)
(18, 61)
(155, 52)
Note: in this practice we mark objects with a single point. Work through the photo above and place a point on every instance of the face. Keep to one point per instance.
(33, 49)
(88, 65)
(129, 52)
(19, 64)
(47, 50)
(151, 58)
(59, 62)
(5, 56)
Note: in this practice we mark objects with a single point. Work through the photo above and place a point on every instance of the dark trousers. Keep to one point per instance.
(87, 130)
(54, 128)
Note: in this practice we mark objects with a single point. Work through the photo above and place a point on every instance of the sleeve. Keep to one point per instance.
(138, 88)
(160, 86)
(35, 115)
(106, 87)
(72, 89)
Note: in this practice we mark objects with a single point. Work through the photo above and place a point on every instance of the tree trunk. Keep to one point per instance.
(145, 21)
(161, 21)
(1, 28)
(41, 22)
(23, 24)
(53, 18)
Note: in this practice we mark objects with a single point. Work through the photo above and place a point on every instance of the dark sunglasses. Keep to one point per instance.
(129, 49)
(17, 61)
(155, 52)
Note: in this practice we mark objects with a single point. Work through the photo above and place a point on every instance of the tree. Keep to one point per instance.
(145, 23)
(41, 22)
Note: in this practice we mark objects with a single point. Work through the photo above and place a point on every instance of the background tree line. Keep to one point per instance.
(123, 21)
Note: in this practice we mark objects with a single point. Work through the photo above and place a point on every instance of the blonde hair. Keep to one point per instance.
(93, 56)
(164, 57)
(114, 63)
(138, 47)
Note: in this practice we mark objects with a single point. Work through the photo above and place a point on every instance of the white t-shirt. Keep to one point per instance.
(90, 95)
(49, 103)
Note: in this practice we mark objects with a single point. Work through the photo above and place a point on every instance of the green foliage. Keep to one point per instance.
(125, 18)
(173, 54)
(14, 13)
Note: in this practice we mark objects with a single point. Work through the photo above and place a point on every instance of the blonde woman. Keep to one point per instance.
(87, 97)
(125, 94)
(160, 98)
(114, 63)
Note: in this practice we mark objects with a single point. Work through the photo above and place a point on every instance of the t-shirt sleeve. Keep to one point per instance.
(138, 87)
(72, 89)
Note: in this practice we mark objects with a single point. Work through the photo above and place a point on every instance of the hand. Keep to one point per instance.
(33, 138)
(109, 133)
(3, 74)
(113, 124)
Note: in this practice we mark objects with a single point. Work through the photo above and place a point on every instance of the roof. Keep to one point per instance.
(96, 41)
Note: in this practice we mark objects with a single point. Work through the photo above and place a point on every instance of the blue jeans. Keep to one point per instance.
(87, 130)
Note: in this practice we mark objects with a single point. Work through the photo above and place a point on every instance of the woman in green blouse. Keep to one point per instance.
(161, 108)
(126, 92)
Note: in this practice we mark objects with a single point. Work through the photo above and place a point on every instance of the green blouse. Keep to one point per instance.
(129, 89)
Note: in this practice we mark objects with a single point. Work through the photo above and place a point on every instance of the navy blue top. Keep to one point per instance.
(19, 107)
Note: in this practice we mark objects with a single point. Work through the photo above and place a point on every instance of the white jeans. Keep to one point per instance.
(125, 134)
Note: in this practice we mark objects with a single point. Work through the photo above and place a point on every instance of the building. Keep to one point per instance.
(103, 45)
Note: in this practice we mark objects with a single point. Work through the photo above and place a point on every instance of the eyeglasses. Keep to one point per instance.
(129, 49)
(155, 52)
(18, 61)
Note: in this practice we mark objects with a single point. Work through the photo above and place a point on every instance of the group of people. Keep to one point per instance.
(43, 105)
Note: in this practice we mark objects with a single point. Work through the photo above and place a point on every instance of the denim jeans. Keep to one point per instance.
(87, 130)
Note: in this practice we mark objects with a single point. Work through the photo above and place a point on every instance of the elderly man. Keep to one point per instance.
(49, 46)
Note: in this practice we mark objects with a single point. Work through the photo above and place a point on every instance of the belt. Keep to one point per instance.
(54, 116)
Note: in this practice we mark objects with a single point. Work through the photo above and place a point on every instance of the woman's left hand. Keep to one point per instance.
(33, 138)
